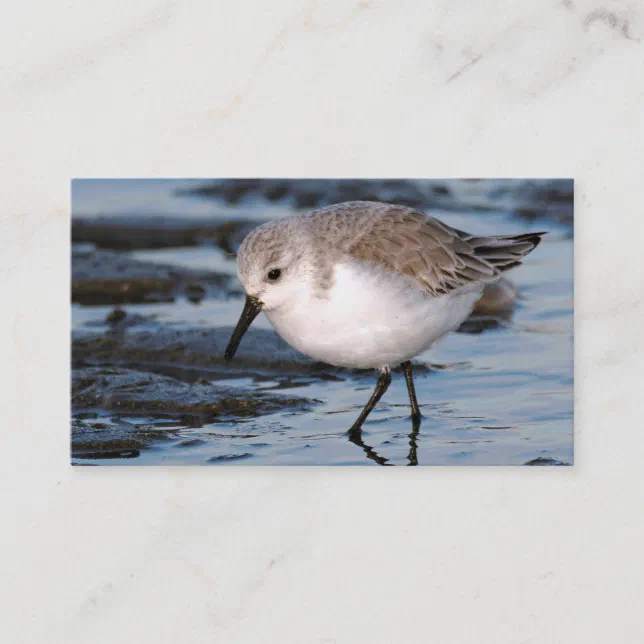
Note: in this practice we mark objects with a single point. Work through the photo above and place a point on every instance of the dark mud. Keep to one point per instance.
(104, 277)
(107, 438)
(106, 399)
(541, 460)
(134, 232)
(194, 347)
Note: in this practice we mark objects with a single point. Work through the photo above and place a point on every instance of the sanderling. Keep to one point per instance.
(368, 285)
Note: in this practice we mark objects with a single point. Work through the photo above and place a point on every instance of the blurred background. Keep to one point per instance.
(155, 296)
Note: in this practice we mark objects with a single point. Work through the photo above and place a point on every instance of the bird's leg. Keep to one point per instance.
(415, 411)
(384, 380)
(415, 414)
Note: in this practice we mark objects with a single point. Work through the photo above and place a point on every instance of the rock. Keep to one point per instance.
(191, 442)
(107, 277)
(169, 405)
(494, 309)
(541, 460)
(199, 347)
(112, 440)
(118, 320)
(499, 300)
(195, 293)
(127, 390)
(116, 316)
(229, 457)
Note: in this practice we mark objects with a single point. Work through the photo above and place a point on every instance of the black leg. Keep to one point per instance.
(384, 380)
(415, 411)
(415, 414)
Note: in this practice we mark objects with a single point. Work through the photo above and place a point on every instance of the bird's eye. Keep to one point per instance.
(274, 274)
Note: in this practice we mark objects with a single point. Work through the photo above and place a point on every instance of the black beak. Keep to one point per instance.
(251, 310)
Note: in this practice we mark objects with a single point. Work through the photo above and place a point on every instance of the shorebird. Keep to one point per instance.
(368, 285)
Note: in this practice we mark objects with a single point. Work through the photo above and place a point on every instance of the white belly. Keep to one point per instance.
(372, 319)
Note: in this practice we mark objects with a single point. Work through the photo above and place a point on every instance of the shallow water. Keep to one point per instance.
(500, 397)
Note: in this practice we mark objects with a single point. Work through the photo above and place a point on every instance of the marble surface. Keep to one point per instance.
(373, 88)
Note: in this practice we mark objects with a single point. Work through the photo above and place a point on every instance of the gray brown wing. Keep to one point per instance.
(438, 257)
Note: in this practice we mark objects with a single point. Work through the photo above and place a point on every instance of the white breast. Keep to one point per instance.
(371, 318)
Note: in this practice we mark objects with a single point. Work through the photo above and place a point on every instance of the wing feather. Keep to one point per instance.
(440, 258)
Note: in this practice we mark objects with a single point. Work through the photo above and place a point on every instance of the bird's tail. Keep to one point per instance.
(504, 252)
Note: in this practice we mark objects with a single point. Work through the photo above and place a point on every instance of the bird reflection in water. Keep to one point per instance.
(355, 437)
